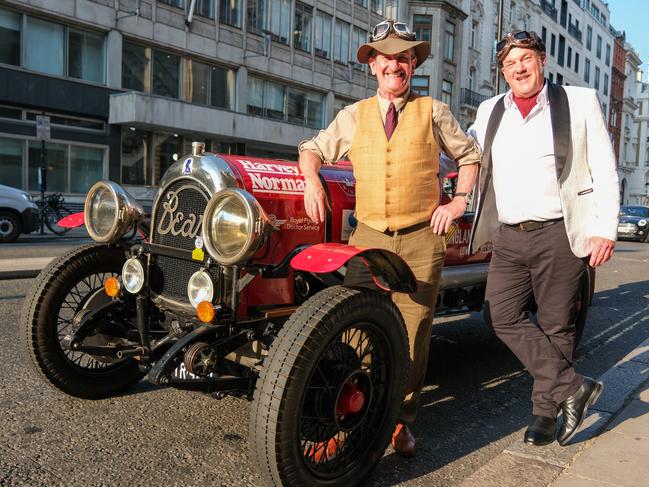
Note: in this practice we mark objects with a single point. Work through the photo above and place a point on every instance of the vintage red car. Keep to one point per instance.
(229, 288)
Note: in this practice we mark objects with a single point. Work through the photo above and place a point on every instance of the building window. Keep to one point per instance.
(608, 54)
(280, 20)
(323, 35)
(174, 3)
(562, 50)
(135, 152)
(230, 12)
(205, 8)
(11, 162)
(421, 85)
(471, 78)
(265, 98)
(605, 84)
(447, 92)
(553, 41)
(569, 59)
(86, 167)
(551, 77)
(208, 85)
(377, 6)
(85, 53)
(256, 15)
(598, 51)
(302, 27)
(576, 62)
(596, 77)
(339, 104)
(449, 40)
(45, 46)
(587, 70)
(544, 35)
(341, 41)
(589, 37)
(136, 67)
(166, 74)
(56, 157)
(359, 37)
(559, 79)
(474, 34)
(305, 108)
(9, 38)
(422, 25)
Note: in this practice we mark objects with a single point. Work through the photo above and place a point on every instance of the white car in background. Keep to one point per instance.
(18, 213)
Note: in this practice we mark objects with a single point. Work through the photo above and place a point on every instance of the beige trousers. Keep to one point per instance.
(423, 251)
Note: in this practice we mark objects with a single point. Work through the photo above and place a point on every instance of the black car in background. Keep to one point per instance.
(633, 223)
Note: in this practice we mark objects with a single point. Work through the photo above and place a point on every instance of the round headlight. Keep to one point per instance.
(110, 212)
(200, 288)
(642, 223)
(133, 275)
(234, 226)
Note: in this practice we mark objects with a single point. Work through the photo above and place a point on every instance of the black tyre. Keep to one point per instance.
(67, 285)
(330, 390)
(9, 226)
(52, 218)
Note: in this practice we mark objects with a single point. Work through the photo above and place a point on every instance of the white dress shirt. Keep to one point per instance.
(524, 173)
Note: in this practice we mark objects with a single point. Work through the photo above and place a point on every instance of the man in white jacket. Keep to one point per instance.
(548, 201)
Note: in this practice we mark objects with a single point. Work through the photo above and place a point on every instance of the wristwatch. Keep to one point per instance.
(462, 194)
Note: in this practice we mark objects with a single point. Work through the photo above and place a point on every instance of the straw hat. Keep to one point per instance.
(393, 44)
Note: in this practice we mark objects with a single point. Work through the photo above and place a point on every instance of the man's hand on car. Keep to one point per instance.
(315, 200)
(444, 215)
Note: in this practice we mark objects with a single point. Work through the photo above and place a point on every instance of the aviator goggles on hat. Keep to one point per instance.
(520, 38)
(383, 29)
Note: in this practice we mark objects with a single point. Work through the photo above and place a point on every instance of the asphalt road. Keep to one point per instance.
(475, 404)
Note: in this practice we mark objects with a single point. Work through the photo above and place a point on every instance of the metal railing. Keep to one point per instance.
(471, 98)
(549, 9)
(574, 31)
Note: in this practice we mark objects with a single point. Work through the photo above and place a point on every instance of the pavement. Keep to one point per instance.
(610, 449)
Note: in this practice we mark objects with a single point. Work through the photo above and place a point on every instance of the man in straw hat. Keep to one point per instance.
(548, 200)
(396, 168)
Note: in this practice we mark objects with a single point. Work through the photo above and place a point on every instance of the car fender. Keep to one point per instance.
(390, 272)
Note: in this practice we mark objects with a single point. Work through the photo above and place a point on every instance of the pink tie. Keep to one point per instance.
(391, 120)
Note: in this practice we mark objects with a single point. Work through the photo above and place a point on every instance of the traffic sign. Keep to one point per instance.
(43, 127)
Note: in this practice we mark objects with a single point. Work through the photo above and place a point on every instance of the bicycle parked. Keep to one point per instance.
(52, 211)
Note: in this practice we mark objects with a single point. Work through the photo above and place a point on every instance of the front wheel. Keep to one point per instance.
(9, 226)
(70, 284)
(329, 393)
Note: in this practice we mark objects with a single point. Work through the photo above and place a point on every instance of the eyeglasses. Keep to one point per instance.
(383, 29)
(521, 38)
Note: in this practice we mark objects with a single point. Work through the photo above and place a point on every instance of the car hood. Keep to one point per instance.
(9, 191)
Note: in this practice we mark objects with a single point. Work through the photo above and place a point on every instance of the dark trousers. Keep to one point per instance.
(537, 266)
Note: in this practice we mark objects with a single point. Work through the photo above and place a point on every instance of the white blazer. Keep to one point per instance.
(585, 163)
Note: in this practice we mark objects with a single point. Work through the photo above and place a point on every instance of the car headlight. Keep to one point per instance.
(110, 212)
(200, 288)
(234, 226)
(642, 223)
(28, 197)
(133, 275)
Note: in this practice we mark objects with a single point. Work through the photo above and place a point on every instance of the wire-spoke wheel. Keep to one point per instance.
(71, 284)
(330, 390)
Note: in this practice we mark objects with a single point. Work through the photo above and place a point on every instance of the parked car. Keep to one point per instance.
(18, 213)
(231, 289)
(633, 223)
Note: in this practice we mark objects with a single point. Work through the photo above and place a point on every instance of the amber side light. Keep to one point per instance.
(111, 286)
(205, 311)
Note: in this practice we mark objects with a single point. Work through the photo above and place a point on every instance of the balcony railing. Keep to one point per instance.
(549, 9)
(471, 98)
(574, 31)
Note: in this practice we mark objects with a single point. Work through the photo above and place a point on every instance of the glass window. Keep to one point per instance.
(174, 3)
(323, 35)
(255, 96)
(86, 167)
(474, 34)
(11, 162)
(314, 110)
(164, 148)
(449, 40)
(221, 87)
(257, 15)
(197, 82)
(544, 35)
(569, 58)
(13, 113)
(596, 78)
(302, 27)
(587, 70)
(86, 56)
(359, 37)
(280, 20)
(608, 54)
(422, 25)
(576, 62)
(377, 6)
(598, 52)
(553, 41)
(589, 37)
(45, 49)
(362, 3)
(420, 85)
(135, 151)
(562, 50)
(339, 104)
(274, 100)
(136, 65)
(605, 84)
(9, 38)
(205, 8)
(56, 161)
(341, 41)
(230, 12)
(166, 74)
(296, 105)
(559, 79)
(447, 92)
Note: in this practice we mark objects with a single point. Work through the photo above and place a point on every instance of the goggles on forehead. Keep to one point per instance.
(521, 38)
(383, 29)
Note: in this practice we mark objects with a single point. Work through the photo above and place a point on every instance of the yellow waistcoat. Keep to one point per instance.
(397, 183)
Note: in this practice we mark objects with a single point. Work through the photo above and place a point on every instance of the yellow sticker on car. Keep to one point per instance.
(198, 254)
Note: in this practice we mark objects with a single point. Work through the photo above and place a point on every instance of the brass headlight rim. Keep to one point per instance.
(110, 235)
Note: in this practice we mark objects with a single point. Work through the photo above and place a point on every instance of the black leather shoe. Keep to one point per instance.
(540, 431)
(574, 408)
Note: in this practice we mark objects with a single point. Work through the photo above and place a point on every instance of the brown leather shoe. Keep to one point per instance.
(402, 441)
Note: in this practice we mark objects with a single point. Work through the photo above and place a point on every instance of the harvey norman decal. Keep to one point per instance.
(274, 178)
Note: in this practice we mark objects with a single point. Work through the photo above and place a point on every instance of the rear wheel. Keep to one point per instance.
(330, 390)
(52, 218)
(70, 284)
(9, 226)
